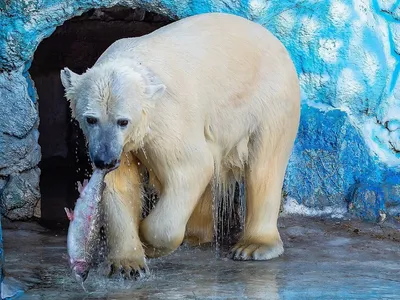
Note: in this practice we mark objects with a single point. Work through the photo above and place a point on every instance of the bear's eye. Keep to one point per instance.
(122, 122)
(91, 120)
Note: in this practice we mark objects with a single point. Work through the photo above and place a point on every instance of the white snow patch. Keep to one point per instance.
(396, 90)
(382, 30)
(377, 138)
(286, 21)
(391, 108)
(355, 42)
(363, 9)
(258, 6)
(370, 67)
(394, 139)
(396, 12)
(348, 87)
(395, 28)
(328, 49)
(339, 13)
(367, 61)
(320, 106)
(292, 207)
(308, 30)
(386, 4)
(394, 125)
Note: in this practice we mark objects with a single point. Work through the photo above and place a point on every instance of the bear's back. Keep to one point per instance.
(196, 33)
(206, 47)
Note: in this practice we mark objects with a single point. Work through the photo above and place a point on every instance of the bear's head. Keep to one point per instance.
(111, 101)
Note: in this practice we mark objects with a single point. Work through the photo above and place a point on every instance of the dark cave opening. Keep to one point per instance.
(76, 44)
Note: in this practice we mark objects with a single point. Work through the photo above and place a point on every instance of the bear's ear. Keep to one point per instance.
(154, 87)
(155, 91)
(68, 79)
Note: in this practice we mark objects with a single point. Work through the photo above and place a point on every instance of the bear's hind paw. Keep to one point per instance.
(129, 269)
(256, 251)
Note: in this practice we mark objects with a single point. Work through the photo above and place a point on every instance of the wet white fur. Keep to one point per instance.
(212, 94)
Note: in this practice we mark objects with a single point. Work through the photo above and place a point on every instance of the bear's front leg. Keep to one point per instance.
(122, 205)
(163, 230)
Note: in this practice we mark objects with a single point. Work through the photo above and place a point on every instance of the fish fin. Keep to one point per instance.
(81, 186)
(85, 182)
(70, 213)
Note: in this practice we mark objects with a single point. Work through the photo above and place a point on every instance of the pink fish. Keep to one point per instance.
(84, 227)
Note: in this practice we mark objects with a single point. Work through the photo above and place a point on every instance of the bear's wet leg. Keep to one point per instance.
(264, 180)
(200, 227)
(122, 208)
(163, 230)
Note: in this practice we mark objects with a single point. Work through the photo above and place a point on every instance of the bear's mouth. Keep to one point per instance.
(116, 165)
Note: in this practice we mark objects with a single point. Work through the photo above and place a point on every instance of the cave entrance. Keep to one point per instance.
(76, 44)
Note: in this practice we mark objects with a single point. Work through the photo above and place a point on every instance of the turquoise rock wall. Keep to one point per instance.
(347, 54)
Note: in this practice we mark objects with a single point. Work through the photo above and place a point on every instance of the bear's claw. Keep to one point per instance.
(256, 251)
(128, 269)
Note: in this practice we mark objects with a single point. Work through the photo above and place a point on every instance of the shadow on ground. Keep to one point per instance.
(324, 259)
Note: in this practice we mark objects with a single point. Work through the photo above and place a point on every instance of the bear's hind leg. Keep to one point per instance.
(264, 180)
(122, 205)
(200, 227)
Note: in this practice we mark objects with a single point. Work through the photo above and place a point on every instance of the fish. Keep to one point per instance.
(84, 227)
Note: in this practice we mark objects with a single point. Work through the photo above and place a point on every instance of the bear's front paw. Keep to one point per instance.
(256, 251)
(128, 268)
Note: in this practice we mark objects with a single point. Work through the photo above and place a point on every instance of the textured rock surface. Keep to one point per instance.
(329, 157)
(347, 56)
(348, 64)
(1, 254)
(21, 194)
(17, 154)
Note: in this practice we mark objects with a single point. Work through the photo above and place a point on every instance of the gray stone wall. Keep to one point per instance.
(19, 148)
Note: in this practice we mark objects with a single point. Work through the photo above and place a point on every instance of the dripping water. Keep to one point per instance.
(228, 209)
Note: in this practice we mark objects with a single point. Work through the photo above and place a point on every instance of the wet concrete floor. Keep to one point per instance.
(324, 259)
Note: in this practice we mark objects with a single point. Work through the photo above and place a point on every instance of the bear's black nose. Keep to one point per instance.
(101, 164)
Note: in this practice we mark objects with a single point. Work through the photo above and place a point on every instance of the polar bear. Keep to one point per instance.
(211, 97)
